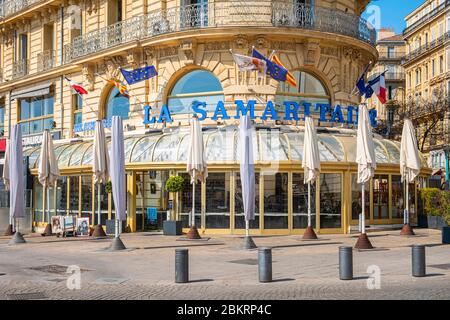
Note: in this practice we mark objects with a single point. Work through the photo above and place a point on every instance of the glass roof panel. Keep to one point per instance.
(274, 146)
(380, 153)
(64, 158)
(88, 156)
(393, 150)
(128, 146)
(32, 156)
(219, 145)
(166, 149)
(77, 155)
(296, 141)
(333, 146)
(183, 148)
(142, 152)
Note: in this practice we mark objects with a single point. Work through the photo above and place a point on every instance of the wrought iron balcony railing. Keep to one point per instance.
(220, 14)
(20, 68)
(427, 47)
(46, 60)
(10, 7)
(427, 17)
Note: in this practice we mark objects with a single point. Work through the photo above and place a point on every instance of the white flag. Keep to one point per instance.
(246, 63)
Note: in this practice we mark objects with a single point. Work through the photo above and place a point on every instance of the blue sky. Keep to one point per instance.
(393, 12)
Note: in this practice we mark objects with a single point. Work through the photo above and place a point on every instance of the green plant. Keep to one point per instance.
(431, 198)
(174, 184)
(445, 205)
(108, 187)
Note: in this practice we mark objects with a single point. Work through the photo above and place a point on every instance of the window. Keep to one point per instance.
(356, 198)
(186, 201)
(417, 77)
(391, 52)
(77, 102)
(2, 120)
(441, 64)
(117, 104)
(433, 68)
(195, 86)
(427, 72)
(115, 11)
(36, 114)
(390, 92)
(276, 201)
(23, 47)
(300, 202)
(218, 204)
(381, 197)
(330, 200)
(397, 197)
(309, 89)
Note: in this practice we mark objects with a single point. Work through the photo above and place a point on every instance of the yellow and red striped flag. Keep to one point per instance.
(122, 88)
(290, 79)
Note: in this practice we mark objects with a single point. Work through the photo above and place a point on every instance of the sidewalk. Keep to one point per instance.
(219, 269)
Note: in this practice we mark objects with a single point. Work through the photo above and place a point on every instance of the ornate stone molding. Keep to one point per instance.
(88, 71)
(241, 42)
(352, 54)
(186, 52)
(134, 58)
(150, 55)
(312, 53)
(111, 66)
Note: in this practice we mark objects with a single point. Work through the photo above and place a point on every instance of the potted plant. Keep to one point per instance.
(436, 205)
(172, 226)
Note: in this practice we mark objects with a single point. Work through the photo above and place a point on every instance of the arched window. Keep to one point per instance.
(197, 85)
(309, 89)
(117, 104)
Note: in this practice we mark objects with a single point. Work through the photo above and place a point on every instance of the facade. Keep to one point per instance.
(391, 53)
(427, 67)
(324, 43)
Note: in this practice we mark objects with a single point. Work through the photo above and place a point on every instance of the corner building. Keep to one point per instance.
(325, 44)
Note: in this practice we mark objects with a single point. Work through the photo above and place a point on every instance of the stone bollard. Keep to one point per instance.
(181, 266)
(265, 264)
(346, 263)
(418, 260)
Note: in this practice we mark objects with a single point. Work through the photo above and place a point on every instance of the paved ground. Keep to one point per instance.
(220, 270)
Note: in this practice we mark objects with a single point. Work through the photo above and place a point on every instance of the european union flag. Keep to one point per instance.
(275, 71)
(139, 74)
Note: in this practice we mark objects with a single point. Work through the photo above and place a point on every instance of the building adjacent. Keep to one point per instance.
(427, 67)
(324, 43)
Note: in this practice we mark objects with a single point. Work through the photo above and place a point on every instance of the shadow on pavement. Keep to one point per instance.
(304, 245)
(181, 246)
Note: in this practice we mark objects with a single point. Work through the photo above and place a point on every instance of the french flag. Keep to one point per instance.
(378, 86)
(75, 86)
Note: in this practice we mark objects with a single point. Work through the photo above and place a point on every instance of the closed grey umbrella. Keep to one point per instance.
(247, 170)
(16, 181)
(48, 171)
(100, 169)
(5, 177)
(365, 158)
(196, 167)
(410, 165)
(311, 166)
(117, 173)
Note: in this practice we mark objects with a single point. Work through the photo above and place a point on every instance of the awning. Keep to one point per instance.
(37, 90)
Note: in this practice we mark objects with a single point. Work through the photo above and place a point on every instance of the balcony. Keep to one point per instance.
(394, 76)
(428, 17)
(383, 55)
(9, 7)
(214, 15)
(427, 47)
(20, 68)
(46, 60)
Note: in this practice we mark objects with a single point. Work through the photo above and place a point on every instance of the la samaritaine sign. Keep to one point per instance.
(291, 110)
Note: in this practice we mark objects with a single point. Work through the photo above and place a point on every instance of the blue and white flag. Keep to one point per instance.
(361, 84)
(273, 70)
(139, 74)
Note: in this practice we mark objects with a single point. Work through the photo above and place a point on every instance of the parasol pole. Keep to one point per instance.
(193, 205)
(363, 206)
(98, 203)
(309, 204)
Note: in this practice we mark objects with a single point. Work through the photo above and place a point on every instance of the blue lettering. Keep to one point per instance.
(164, 116)
(197, 108)
(220, 111)
(350, 114)
(291, 108)
(324, 108)
(307, 107)
(242, 110)
(337, 115)
(270, 110)
(148, 119)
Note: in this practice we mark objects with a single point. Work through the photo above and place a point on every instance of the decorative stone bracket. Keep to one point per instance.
(186, 52)
(88, 76)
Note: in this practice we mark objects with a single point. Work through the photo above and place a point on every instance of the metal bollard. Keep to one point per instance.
(265, 264)
(418, 260)
(181, 266)
(346, 263)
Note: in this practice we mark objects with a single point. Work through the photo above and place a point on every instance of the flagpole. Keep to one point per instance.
(365, 70)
